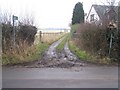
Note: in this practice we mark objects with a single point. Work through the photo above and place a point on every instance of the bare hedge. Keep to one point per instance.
(24, 34)
(96, 40)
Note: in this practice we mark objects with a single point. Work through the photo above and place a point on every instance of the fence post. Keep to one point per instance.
(110, 45)
(40, 36)
(13, 32)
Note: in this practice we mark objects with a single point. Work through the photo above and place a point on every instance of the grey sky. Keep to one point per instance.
(47, 13)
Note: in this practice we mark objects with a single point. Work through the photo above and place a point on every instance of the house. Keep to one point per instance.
(102, 14)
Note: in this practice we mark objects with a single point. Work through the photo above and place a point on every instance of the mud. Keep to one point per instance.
(51, 58)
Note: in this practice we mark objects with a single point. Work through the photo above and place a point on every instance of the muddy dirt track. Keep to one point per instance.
(52, 58)
(59, 70)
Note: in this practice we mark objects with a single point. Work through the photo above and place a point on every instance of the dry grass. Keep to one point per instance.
(23, 53)
(49, 38)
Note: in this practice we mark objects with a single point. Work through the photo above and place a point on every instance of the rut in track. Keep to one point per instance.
(52, 58)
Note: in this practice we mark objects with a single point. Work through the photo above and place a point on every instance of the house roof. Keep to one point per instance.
(102, 9)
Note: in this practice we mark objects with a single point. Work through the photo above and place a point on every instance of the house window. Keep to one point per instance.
(92, 17)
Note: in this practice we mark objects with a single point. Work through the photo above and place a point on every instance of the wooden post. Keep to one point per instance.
(110, 46)
(40, 36)
(13, 32)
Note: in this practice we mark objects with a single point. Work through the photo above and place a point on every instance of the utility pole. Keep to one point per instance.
(40, 36)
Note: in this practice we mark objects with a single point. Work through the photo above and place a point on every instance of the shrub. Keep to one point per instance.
(27, 33)
(95, 40)
(24, 34)
(6, 36)
(74, 28)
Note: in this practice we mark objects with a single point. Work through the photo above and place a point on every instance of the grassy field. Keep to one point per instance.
(49, 37)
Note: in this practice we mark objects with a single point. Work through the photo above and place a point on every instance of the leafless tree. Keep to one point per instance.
(108, 2)
(28, 20)
(5, 17)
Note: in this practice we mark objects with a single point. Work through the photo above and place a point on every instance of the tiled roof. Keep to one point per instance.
(102, 9)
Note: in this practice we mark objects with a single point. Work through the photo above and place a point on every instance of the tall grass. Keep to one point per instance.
(23, 53)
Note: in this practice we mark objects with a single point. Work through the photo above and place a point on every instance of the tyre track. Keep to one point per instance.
(53, 59)
(64, 59)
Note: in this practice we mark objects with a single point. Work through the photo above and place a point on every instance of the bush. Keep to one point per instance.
(23, 50)
(24, 34)
(27, 33)
(74, 28)
(7, 30)
(95, 40)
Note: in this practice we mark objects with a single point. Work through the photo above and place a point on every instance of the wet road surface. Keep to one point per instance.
(84, 77)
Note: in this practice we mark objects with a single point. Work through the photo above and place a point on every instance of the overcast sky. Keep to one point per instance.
(47, 13)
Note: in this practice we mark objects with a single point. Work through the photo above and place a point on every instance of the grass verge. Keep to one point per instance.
(60, 47)
(83, 55)
(25, 55)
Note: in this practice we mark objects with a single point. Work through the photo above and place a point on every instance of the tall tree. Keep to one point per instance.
(78, 14)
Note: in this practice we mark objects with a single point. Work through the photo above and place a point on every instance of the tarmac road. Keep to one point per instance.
(80, 77)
